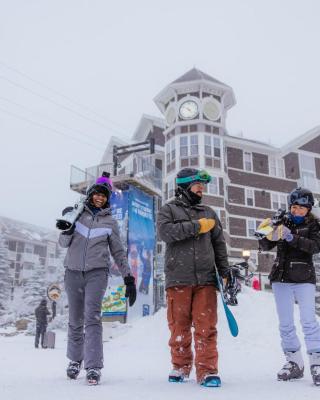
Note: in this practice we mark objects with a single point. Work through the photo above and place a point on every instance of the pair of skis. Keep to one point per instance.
(232, 323)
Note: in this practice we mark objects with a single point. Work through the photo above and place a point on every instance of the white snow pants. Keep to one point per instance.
(304, 294)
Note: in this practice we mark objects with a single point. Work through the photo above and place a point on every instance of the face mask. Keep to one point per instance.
(195, 199)
(297, 219)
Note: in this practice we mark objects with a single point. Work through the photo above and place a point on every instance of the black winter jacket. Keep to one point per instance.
(293, 263)
(41, 313)
(190, 257)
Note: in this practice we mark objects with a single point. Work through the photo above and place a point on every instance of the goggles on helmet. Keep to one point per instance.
(201, 176)
(300, 199)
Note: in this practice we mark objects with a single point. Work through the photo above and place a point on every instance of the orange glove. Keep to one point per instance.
(206, 224)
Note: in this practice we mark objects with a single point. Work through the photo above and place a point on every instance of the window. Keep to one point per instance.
(276, 167)
(278, 201)
(171, 188)
(193, 145)
(213, 186)
(189, 151)
(184, 146)
(308, 173)
(249, 197)
(212, 151)
(251, 226)
(170, 151)
(247, 159)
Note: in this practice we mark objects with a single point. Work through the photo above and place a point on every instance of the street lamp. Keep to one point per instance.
(246, 255)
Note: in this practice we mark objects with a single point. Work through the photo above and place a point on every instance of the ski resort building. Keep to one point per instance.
(251, 179)
(31, 250)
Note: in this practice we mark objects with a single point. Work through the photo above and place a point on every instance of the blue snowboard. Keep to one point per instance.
(233, 326)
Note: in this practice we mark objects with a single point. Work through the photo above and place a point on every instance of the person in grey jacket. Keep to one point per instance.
(195, 246)
(90, 241)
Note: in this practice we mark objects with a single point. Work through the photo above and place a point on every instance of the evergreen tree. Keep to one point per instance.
(5, 281)
(34, 289)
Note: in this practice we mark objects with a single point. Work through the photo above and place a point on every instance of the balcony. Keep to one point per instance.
(139, 171)
(30, 258)
(310, 183)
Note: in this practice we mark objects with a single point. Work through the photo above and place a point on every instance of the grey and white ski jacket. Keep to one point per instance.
(94, 238)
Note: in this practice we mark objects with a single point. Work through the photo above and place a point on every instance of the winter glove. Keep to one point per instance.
(63, 225)
(264, 229)
(131, 290)
(280, 232)
(206, 224)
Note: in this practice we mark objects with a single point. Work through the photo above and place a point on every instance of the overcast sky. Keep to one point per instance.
(114, 57)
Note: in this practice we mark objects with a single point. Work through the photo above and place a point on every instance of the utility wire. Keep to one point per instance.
(58, 93)
(52, 120)
(57, 104)
(47, 127)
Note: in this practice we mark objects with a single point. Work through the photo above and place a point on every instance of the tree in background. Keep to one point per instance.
(34, 289)
(5, 280)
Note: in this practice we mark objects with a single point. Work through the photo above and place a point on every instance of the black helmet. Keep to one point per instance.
(302, 197)
(187, 176)
(102, 185)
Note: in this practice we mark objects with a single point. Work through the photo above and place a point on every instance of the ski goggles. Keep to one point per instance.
(201, 176)
(301, 201)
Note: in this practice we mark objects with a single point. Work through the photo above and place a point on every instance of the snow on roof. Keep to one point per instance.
(27, 232)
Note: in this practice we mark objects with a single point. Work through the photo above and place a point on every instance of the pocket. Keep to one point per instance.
(170, 258)
(299, 271)
(274, 271)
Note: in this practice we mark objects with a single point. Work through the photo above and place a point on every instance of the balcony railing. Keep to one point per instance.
(139, 167)
(310, 183)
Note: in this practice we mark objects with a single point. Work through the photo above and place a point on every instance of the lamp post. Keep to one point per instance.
(246, 255)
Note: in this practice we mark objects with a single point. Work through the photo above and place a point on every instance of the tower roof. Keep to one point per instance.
(192, 81)
(195, 74)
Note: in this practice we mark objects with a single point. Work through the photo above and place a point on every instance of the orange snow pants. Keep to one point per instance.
(193, 306)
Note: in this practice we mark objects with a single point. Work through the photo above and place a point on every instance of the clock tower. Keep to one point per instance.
(195, 108)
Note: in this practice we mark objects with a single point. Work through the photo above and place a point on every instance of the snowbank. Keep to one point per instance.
(137, 363)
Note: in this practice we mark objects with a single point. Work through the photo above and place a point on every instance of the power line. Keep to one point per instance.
(57, 104)
(58, 93)
(47, 127)
(52, 120)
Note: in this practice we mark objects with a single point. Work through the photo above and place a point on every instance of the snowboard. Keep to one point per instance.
(232, 323)
(49, 340)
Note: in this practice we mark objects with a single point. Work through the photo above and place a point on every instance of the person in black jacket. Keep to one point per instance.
(41, 313)
(195, 247)
(293, 279)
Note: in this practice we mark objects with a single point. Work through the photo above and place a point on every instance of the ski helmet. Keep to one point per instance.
(301, 197)
(188, 176)
(103, 185)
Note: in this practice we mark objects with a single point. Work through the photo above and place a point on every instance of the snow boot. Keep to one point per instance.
(73, 369)
(177, 376)
(293, 368)
(93, 376)
(211, 380)
(315, 367)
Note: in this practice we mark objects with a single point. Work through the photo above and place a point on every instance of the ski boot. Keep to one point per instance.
(293, 368)
(315, 368)
(211, 380)
(177, 376)
(93, 376)
(73, 369)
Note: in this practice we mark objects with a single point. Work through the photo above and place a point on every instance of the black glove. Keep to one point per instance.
(64, 225)
(131, 290)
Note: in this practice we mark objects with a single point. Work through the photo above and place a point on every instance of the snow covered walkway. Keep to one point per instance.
(137, 363)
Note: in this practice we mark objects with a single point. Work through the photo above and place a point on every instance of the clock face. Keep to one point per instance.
(170, 115)
(212, 109)
(189, 109)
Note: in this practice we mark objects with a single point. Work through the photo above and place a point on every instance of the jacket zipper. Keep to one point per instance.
(86, 245)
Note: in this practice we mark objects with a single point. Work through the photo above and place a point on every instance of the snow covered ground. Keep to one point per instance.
(137, 363)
